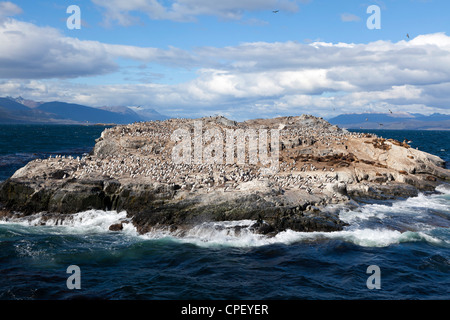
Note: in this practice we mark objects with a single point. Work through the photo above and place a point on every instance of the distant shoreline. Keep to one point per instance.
(117, 124)
(61, 124)
(354, 129)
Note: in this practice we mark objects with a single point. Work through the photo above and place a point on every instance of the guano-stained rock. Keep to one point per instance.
(131, 168)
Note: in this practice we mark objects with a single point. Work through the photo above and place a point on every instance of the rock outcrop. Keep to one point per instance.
(135, 168)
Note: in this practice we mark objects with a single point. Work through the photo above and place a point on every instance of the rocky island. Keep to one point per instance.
(136, 168)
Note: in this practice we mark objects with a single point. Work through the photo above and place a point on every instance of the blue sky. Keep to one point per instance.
(237, 58)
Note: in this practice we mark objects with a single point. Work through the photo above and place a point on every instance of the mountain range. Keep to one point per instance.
(22, 111)
(392, 121)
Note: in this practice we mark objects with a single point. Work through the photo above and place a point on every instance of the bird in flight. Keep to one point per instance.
(407, 35)
(276, 11)
(390, 111)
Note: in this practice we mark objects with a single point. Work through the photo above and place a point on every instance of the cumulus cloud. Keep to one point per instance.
(250, 78)
(8, 9)
(31, 52)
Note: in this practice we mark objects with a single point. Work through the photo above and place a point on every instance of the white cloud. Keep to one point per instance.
(8, 9)
(243, 80)
(28, 51)
(187, 10)
(348, 17)
(32, 52)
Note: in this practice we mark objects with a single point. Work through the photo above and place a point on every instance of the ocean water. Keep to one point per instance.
(20, 144)
(408, 239)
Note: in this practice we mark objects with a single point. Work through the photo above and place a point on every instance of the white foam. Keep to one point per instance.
(363, 213)
(362, 230)
(414, 209)
(226, 233)
(205, 236)
(444, 188)
(381, 237)
(91, 221)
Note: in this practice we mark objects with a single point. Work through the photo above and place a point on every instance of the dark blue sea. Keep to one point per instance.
(408, 239)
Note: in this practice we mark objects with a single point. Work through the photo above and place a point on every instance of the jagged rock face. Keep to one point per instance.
(132, 168)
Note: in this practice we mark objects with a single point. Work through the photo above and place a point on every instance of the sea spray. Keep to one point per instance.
(227, 259)
(239, 233)
(91, 221)
(422, 218)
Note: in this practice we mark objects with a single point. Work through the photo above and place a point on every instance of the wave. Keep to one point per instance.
(228, 233)
(422, 218)
(87, 222)
(424, 212)
(207, 235)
